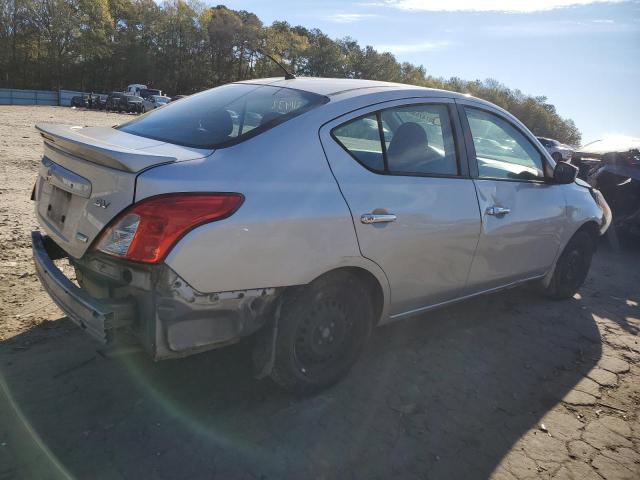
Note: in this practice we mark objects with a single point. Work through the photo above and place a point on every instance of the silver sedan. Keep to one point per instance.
(305, 211)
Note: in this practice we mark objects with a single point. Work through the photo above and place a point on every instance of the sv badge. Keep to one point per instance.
(102, 203)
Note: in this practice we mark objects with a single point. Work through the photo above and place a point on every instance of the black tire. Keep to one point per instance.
(321, 332)
(556, 156)
(572, 267)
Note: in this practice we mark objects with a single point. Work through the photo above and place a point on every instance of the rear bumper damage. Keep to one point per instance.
(169, 319)
(94, 315)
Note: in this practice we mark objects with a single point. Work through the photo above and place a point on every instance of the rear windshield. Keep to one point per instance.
(224, 115)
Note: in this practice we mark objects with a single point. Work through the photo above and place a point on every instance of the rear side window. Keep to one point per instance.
(416, 140)
(420, 140)
(361, 138)
(224, 115)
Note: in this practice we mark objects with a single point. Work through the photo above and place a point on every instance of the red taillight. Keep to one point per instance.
(146, 231)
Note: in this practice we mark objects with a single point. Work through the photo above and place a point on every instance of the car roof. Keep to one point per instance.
(336, 86)
(365, 92)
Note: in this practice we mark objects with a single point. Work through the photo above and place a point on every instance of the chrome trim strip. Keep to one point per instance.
(66, 180)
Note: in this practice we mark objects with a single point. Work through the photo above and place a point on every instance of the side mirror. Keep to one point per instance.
(564, 173)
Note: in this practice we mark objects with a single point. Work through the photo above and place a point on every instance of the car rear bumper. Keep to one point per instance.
(96, 317)
(118, 300)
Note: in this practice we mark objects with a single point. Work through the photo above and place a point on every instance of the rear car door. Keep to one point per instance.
(413, 204)
(523, 213)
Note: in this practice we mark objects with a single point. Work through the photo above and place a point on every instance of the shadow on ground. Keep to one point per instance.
(442, 396)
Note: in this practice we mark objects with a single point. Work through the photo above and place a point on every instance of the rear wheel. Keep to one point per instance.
(321, 332)
(572, 267)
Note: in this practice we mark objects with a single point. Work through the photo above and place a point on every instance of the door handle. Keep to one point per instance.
(497, 211)
(368, 218)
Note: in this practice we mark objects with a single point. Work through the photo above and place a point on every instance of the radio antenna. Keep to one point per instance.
(287, 74)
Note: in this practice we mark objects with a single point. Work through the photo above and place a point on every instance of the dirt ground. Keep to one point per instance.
(510, 386)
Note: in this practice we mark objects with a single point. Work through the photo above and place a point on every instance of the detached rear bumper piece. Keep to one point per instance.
(95, 316)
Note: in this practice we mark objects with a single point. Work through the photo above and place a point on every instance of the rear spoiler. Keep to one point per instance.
(72, 140)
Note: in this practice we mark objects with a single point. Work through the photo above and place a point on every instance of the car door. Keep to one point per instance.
(405, 178)
(523, 212)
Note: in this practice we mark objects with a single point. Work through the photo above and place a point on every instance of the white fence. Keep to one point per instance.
(12, 96)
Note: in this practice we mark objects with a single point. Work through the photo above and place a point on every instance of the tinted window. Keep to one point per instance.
(419, 139)
(501, 150)
(224, 115)
(361, 138)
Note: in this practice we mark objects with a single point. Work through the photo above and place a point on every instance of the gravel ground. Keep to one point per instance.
(509, 386)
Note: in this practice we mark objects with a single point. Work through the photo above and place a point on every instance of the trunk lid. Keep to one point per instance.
(88, 175)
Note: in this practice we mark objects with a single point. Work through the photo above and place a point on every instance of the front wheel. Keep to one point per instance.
(572, 267)
(321, 332)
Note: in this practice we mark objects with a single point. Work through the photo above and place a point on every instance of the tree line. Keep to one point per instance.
(182, 47)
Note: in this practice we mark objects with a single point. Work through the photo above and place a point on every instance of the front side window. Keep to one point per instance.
(224, 115)
(502, 152)
(417, 140)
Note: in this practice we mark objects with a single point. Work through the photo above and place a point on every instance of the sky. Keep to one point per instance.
(584, 55)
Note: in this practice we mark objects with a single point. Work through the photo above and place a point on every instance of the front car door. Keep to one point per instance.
(523, 212)
(403, 172)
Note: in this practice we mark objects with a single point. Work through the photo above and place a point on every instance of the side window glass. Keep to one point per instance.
(419, 139)
(501, 150)
(361, 138)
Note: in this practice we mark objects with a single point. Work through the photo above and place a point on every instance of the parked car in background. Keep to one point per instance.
(100, 101)
(154, 101)
(149, 92)
(115, 102)
(613, 166)
(559, 151)
(140, 90)
(79, 101)
(121, 102)
(135, 89)
(133, 104)
(296, 217)
(178, 97)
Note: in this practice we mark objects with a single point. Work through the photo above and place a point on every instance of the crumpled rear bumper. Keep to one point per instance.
(151, 305)
(97, 317)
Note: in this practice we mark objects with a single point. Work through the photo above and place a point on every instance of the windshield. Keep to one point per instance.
(224, 115)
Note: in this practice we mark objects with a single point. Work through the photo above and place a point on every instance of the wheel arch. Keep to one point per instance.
(375, 282)
(591, 227)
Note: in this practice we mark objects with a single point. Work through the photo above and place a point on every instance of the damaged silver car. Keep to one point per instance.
(305, 211)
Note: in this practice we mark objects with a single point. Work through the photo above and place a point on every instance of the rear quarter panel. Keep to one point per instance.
(293, 226)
